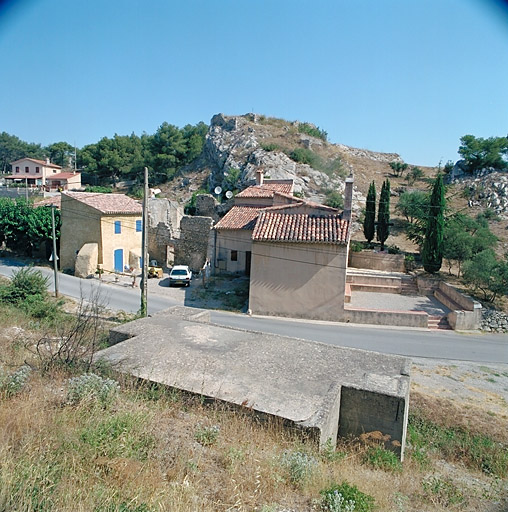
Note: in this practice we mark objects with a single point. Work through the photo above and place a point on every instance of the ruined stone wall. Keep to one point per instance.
(164, 218)
(193, 246)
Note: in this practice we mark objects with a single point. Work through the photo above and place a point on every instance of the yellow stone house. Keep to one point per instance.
(99, 229)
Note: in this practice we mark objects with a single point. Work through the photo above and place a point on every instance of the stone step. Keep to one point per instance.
(438, 322)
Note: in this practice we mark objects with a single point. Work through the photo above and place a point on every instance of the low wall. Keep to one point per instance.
(466, 314)
(377, 261)
(427, 285)
(379, 317)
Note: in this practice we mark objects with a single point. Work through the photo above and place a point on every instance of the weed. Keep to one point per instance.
(475, 450)
(271, 147)
(206, 436)
(379, 458)
(299, 466)
(441, 491)
(121, 435)
(92, 388)
(330, 454)
(349, 494)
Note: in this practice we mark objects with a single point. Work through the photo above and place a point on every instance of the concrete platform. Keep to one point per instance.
(327, 390)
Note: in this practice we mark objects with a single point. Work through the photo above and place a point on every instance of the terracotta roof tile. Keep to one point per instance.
(300, 227)
(267, 190)
(41, 162)
(61, 176)
(239, 217)
(48, 201)
(107, 203)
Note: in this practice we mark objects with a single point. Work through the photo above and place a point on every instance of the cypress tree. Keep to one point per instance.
(383, 214)
(432, 252)
(369, 223)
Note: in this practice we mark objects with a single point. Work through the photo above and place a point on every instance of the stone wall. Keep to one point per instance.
(164, 218)
(494, 321)
(377, 261)
(193, 246)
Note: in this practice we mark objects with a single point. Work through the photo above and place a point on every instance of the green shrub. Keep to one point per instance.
(393, 249)
(350, 494)
(313, 131)
(15, 382)
(303, 156)
(442, 491)
(380, 458)
(298, 465)
(356, 246)
(270, 147)
(26, 282)
(334, 199)
(91, 388)
(98, 189)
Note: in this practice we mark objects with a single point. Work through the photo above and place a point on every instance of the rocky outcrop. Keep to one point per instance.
(238, 142)
(486, 188)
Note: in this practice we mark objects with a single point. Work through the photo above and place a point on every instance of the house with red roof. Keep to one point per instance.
(295, 251)
(99, 229)
(42, 173)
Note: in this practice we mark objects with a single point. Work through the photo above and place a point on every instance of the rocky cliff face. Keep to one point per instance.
(253, 142)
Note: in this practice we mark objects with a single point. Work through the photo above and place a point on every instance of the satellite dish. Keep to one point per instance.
(218, 190)
(229, 194)
(226, 173)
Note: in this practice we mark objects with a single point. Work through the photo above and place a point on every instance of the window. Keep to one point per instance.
(118, 227)
(27, 169)
(138, 226)
(37, 169)
(54, 171)
(17, 169)
(234, 255)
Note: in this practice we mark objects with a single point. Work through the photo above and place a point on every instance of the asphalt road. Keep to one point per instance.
(482, 348)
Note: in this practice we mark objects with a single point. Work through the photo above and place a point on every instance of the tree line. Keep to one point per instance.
(117, 158)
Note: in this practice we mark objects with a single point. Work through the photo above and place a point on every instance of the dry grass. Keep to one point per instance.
(144, 453)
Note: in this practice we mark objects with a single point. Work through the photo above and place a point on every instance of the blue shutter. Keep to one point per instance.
(118, 227)
(138, 226)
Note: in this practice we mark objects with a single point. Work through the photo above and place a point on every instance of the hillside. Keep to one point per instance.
(237, 146)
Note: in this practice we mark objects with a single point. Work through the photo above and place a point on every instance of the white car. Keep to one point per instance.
(180, 274)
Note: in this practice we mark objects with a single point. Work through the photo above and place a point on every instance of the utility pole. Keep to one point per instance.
(55, 256)
(26, 189)
(144, 250)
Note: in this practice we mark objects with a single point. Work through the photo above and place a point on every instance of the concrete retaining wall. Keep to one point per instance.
(377, 261)
(364, 411)
(466, 314)
(377, 317)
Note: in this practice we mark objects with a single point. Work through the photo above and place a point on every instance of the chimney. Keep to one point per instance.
(348, 197)
(47, 161)
(259, 177)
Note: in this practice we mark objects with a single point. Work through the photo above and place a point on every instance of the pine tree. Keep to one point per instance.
(383, 214)
(369, 223)
(432, 252)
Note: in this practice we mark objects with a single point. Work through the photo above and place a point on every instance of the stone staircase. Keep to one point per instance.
(439, 323)
(409, 286)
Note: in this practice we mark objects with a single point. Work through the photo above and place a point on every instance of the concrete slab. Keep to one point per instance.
(325, 389)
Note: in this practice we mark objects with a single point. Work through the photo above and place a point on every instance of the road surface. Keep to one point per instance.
(483, 348)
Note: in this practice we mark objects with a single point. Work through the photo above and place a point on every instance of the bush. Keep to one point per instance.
(356, 246)
(270, 147)
(313, 131)
(98, 189)
(26, 282)
(91, 388)
(303, 156)
(299, 466)
(334, 199)
(15, 382)
(350, 494)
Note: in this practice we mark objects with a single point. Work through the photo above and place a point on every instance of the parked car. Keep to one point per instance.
(180, 274)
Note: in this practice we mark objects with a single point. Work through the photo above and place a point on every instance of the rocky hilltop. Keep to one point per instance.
(240, 145)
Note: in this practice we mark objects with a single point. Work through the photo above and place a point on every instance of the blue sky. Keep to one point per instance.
(405, 76)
